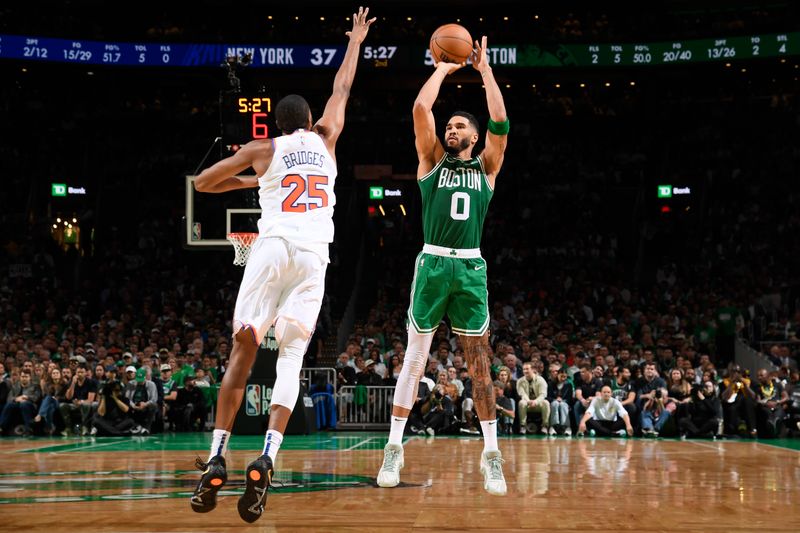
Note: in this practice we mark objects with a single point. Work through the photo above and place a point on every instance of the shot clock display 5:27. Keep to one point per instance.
(244, 117)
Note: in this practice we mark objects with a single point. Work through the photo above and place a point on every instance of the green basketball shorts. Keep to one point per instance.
(454, 286)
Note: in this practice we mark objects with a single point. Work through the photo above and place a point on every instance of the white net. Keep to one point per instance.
(241, 246)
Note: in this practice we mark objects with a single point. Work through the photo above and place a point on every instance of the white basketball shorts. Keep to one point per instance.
(280, 280)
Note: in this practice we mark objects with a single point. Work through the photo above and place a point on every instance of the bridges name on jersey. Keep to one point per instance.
(296, 192)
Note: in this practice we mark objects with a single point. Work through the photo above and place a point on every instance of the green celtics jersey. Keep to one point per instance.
(455, 197)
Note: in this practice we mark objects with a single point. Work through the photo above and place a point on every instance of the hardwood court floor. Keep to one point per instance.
(143, 484)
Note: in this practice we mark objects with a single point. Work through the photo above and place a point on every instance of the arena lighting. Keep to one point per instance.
(408, 19)
(505, 18)
(58, 220)
(403, 209)
(727, 64)
(481, 19)
(55, 226)
(508, 85)
(534, 85)
(382, 211)
(633, 83)
(458, 86)
(322, 18)
(744, 70)
(558, 85)
(608, 84)
(269, 17)
(783, 60)
(24, 69)
(536, 17)
(583, 85)
(297, 18)
(74, 220)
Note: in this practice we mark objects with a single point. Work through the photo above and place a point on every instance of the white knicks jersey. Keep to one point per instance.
(296, 192)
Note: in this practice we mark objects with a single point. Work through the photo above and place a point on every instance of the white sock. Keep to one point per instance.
(272, 443)
(396, 433)
(219, 443)
(489, 428)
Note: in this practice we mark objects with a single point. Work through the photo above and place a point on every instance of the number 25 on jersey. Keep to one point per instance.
(304, 193)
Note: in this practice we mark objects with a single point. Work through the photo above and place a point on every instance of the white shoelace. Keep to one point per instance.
(391, 460)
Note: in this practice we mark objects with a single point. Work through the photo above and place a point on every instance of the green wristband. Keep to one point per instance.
(499, 128)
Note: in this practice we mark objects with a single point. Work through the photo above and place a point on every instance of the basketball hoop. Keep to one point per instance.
(241, 246)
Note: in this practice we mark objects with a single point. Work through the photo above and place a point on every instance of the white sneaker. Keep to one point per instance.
(552, 432)
(568, 432)
(523, 430)
(492, 470)
(389, 474)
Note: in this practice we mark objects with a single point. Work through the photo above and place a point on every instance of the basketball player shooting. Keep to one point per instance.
(450, 274)
(283, 282)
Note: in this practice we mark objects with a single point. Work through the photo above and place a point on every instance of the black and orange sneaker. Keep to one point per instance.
(258, 479)
(214, 477)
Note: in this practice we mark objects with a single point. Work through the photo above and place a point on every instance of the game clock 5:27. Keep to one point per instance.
(244, 117)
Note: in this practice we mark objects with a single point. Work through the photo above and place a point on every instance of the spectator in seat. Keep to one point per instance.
(738, 400)
(23, 398)
(345, 373)
(468, 415)
(654, 413)
(113, 417)
(532, 391)
(189, 411)
(54, 391)
(505, 409)
(771, 400)
(623, 389)
(441, 411)
(793, 409)
(76, 411)
(605, 417)
(560, 396)
(703, 413)
(649, 384)
(421, 406)
(586, 388)
(169, 389)
(369, 377)
(143, 397)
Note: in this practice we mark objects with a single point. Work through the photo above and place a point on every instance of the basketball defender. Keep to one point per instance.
(450, 274)
(283, 282)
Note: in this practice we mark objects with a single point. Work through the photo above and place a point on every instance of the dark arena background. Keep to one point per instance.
(646, 213)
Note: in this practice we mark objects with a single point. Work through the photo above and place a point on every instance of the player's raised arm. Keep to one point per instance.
(429, 147)
(330, 125)
(497, 135)
(222, 176)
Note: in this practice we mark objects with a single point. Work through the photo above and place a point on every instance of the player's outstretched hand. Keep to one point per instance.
(360, 25)
(479, 61)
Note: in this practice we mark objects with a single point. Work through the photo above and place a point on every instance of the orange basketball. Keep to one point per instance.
(451, 43)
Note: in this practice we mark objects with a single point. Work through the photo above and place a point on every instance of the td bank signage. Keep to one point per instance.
(668, 191)
(62, 189)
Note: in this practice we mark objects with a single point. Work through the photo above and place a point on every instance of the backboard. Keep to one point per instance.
(210, 217)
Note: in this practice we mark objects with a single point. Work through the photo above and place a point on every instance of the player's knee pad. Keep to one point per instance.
(292, 344)
(413, 367)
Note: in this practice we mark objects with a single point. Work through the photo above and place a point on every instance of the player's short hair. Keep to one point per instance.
(291, 113)
(470, 118)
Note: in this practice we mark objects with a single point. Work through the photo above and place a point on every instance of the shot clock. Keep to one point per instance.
(244, 117)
